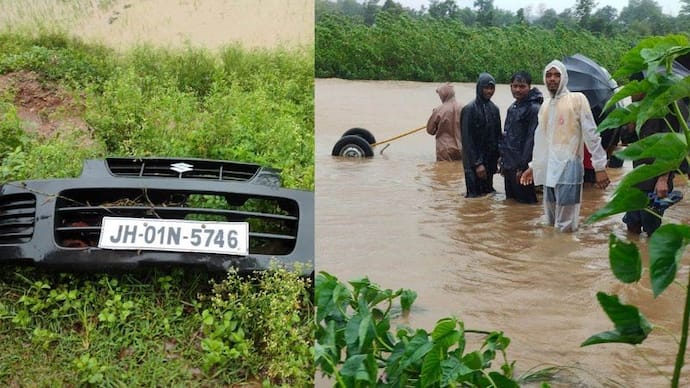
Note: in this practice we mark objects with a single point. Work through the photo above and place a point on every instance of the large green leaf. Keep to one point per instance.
(647, 171)
(363, 288)
(352, 339)
(658, 102)
(666, 248)
(473, 360)
(393, 367)
(501, 381)
(452, 371)
(625, 260)
(332, 297)
(416, 349)
(496, 341)
(662, 146)
(634, 60)
(431, 367)
(619, 117)
(444, 334)
(629, 89)
(624, 199)
(407, 297)
(326, 352)
(631, 327)
(361, 367)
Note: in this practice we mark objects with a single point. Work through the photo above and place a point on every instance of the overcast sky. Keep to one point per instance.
(669, 7)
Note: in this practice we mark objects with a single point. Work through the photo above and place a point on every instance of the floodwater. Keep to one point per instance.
(401, 219)
(210, 24)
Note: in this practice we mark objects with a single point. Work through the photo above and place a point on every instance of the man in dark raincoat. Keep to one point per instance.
(444, 123)
(518, 136)
(480, 129)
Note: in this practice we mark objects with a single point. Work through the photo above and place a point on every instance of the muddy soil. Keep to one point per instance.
(43, 106)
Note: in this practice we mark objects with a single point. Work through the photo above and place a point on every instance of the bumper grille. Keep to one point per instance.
(199, 169)
(17, 217)
(272, 221)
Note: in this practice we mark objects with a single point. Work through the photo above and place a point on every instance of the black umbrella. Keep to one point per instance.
(677, 69)
(588, 77)
(684, 60)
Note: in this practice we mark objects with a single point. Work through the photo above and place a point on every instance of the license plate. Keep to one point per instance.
(230, 238)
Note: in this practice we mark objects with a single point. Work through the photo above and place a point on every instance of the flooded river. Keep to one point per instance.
(401, 219)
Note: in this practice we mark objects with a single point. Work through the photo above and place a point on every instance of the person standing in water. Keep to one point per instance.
(565, 125)
(444, 123)
(480, 128)
(518, 136)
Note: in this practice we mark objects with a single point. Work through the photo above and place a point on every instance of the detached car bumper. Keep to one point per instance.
(58, 222)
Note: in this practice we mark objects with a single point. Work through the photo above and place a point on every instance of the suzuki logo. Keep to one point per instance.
(181, 167)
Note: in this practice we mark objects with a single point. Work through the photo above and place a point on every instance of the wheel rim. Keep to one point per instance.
(352, 151)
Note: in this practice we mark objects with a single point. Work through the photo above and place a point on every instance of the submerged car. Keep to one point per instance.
(124, 213)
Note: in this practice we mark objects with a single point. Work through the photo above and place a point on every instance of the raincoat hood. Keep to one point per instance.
(485, 79)
(535, 95)
(446, 92)
(562, 87)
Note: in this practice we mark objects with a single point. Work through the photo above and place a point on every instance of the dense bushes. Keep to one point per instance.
(426, 49)
(252, 106)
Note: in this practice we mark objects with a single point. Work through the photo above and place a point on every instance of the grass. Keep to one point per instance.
(154, 327)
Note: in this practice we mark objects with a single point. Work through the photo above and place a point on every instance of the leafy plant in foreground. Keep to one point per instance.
(355, 346)
(662, 89)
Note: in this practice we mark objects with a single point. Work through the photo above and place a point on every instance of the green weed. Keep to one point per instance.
(155, 327)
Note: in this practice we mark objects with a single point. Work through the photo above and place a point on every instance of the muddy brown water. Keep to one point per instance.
(211, 24)
(401, 219)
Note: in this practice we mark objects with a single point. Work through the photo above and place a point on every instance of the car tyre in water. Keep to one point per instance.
(352, 146)
(361, 132)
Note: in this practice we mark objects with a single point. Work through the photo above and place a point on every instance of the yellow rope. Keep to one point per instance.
(399, 136)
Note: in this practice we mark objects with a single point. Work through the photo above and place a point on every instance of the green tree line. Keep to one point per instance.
(403, 47)
(639, 17)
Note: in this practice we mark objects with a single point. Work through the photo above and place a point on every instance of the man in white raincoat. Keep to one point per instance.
(565, 125)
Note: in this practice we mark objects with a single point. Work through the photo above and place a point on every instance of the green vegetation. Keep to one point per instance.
(356, 348)
(153, 328)
(667, 245)
(443, 42)
(252, 106)
(637, 18)
(425, 49)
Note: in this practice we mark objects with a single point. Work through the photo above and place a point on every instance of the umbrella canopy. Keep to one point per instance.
(677, 69)
(588, 77)
(684, 60)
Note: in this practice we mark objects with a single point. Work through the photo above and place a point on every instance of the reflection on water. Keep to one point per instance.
(401, 219)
